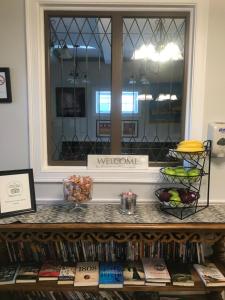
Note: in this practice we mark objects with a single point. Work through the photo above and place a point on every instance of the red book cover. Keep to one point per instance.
(49, 271)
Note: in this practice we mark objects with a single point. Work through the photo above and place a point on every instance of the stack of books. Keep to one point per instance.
(156, 272)
(210, 274)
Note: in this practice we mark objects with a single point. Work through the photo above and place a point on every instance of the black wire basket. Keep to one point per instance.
(179, 202)
(187, 178)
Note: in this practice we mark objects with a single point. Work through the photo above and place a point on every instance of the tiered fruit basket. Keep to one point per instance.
(181, 198)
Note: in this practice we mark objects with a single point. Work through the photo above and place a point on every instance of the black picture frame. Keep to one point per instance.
(5, 86)
(129, 128)
(70, 102)
(17, 190)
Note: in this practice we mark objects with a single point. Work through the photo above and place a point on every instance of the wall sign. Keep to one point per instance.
(5, 86)
(136, 162)
(17, 194)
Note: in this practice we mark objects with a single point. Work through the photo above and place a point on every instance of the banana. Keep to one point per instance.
(187, 149)
(191, 143)
(190, 146)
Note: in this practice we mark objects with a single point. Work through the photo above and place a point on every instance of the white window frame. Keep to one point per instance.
(36, 80)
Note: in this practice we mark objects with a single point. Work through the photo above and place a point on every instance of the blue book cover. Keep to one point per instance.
(111, 275)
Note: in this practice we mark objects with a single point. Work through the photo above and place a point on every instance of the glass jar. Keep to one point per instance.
(78, 190)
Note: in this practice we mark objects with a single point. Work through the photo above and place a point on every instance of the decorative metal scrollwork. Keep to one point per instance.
(120, 237)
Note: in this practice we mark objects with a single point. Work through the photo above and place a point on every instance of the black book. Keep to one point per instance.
(27, 273)
(133, 273)
(8, 274)
(181, 274)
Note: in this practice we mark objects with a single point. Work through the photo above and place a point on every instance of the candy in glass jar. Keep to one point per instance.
(78, 189)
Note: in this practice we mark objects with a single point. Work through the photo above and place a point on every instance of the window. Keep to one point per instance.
(130, 60)
(129, 102)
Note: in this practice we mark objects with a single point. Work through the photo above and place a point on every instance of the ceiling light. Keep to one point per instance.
(144, 97)
(144, 80)
(171, 51)
(64, 52)
(132, 80)
(164, 97)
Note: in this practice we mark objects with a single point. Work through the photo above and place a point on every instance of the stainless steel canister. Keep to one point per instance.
(128, 204)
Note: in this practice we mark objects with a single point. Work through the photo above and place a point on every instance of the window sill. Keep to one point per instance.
(56, 174)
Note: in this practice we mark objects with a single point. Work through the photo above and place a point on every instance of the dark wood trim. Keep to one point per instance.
(185, 74)
(116, 227)
(48, 90)
(116, 101)
(122, 13)
(53, 286)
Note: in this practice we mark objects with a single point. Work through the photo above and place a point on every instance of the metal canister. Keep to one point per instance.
(128, 203)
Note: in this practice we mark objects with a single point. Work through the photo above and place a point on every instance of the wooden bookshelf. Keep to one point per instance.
(211, 233)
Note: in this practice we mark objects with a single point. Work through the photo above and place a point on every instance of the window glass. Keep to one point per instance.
(142, 112)
(129, 102)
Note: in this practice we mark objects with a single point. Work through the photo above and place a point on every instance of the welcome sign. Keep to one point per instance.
(137, 162)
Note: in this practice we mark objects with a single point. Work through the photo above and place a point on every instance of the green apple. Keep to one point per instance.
(173, 192)
(169, 171)
(175, 200)
(180, 171)
(194, 172)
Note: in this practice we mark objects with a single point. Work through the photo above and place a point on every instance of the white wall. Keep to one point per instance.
(14, 116)
(214, 109)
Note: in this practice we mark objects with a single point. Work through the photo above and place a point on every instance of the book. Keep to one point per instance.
(66, 275)
(87, 274)
(8, 274)
(155, 270)
(133, 273)
(210, 274)
(149, 283)
(27, 273)
(49, 271)
(181, 274)
(111, 275)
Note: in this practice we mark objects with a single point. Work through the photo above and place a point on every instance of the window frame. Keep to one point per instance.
(37, 82)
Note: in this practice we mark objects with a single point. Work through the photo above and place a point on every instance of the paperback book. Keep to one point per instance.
(66, 275)
(49, 271)
(181, 275)
(27, 273)
(156, 271)
(133, 273)
(8, 274)
(87, 274)
(210, 274)
(111, 275)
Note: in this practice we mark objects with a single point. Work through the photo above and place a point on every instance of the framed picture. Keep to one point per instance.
(17, 195)
(103, 128)
(165, 111)
(5, 86)
(70, 102)
(129, 128)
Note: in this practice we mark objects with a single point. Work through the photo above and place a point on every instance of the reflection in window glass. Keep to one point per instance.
(148, 87)
(129, 102)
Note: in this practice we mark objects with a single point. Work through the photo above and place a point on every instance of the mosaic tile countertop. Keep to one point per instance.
(109, 213)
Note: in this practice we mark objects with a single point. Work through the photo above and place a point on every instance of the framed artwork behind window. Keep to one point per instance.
(70, 102)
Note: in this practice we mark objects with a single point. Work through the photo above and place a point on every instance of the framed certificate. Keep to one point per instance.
(5, 86)
(17, 195)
